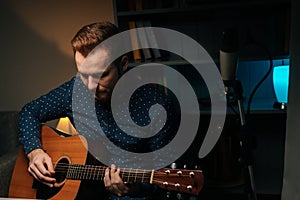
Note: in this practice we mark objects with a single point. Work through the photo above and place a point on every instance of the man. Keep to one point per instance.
(100, 81)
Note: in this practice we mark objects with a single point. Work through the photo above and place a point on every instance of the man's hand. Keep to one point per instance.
(113, 181)
(41, 167)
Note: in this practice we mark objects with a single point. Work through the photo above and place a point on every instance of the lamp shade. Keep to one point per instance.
(64, 125)
(281, 83)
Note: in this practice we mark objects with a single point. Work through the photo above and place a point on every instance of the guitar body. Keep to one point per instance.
(73, 149)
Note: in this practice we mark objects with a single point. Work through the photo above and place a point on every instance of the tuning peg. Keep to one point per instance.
(165, 184)
(189, 188)
(179, 173)
(192, 174)
(167, 172)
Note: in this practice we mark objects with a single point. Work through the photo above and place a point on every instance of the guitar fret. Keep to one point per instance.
(135, 175)
(122, 174)
(98, 174)
(83, 175)
(143, 176)
(73, 172)
(76, 169)
(128, 177)
(85, 172)
(89, 173)
(94, 173)
(68, 172)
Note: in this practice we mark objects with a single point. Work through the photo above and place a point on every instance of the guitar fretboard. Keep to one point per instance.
(91, 172)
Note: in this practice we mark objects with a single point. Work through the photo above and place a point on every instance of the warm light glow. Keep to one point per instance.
(64, 125)
(281, 82)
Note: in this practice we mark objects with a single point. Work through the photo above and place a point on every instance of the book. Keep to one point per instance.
(143, 40)
(152, 39)
(139, 4)
(134, 42)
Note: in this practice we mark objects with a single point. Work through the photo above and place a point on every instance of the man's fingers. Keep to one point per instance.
(41, 167)
(118, 185)
(113, 181)
(106, 178)
(40, 177)
(48, 163)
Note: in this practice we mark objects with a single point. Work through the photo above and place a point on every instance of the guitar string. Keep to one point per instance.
(101, 168)
(97, 167)
(130, 170)
(131, 175)
(133, 171)
(137, 176)
(82, 170)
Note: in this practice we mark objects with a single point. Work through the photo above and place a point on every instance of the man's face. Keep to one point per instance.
(99, 78)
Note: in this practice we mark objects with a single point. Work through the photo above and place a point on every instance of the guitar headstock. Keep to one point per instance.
(180, 180)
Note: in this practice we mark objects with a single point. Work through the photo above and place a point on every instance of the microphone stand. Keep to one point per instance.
(234, 88)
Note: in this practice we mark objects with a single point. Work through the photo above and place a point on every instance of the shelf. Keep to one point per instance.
(206, 7)
(266, 22)
(203, 7)
(168, 63)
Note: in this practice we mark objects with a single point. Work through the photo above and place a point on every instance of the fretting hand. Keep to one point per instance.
(113, 181)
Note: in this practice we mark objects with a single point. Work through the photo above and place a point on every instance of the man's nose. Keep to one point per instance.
(92, 83)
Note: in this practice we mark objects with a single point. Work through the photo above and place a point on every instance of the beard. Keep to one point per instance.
(103, 97)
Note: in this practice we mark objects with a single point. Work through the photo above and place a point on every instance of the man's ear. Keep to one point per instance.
(124, 64)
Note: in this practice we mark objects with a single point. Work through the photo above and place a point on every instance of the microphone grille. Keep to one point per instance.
(229, 40)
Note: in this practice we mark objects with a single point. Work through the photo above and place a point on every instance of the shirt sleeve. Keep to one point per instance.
(53, 105)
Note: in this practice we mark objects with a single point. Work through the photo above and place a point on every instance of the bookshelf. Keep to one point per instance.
(267, 21)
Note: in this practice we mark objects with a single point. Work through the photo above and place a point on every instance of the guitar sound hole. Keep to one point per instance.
(61, 169)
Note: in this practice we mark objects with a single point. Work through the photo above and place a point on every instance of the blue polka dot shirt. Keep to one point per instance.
(58, 103)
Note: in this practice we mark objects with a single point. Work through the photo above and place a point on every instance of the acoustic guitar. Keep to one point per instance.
(69, 158)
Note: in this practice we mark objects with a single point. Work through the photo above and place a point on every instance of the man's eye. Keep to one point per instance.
(84, 76)
(104, 74)
(97, 75)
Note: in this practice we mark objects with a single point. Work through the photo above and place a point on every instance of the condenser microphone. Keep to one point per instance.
(229, 56)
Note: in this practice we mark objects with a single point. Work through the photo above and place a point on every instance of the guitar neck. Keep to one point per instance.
(91, 172)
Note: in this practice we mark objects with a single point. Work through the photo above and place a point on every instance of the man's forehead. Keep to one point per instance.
(97, 61)
(98, 56)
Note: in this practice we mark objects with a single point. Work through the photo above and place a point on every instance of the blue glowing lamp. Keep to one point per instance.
(281, 84)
